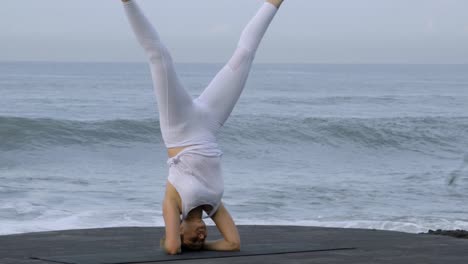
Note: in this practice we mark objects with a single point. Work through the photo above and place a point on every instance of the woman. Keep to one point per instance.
(189, 126)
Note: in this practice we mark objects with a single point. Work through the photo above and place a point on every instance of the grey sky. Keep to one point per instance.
(307, 31)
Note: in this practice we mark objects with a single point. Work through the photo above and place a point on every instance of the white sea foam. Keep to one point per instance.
(89, 219)
(148, 218)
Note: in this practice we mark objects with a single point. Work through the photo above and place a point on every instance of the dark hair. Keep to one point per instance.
(186, 247)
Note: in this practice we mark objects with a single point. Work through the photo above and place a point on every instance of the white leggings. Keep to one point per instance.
(190, 121)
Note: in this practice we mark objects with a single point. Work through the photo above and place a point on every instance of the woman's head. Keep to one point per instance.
(193, 234)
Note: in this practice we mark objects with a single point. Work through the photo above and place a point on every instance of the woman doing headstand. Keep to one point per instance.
(189, 127)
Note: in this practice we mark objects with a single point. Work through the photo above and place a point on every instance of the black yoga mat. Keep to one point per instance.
(159, 256)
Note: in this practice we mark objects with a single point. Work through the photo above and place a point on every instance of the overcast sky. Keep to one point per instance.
(304, 31)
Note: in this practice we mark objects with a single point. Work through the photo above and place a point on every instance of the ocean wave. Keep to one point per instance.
(31, 133)
(410, 133)
(414, 133)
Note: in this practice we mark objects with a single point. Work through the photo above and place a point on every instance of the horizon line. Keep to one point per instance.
(213, 63)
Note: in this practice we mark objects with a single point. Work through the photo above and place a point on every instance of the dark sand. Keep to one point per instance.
(127, 244)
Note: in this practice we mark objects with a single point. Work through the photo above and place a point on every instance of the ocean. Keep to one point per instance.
(361, 146)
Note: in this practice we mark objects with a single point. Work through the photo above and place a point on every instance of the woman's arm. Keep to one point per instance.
(228, 229)
(172, 243)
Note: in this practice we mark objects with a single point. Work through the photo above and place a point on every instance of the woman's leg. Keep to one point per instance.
(222, 93)
(174, 103)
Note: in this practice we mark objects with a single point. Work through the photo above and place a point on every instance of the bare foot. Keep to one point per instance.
(276, 3)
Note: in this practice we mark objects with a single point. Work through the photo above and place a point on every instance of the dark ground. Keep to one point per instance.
(141, 244)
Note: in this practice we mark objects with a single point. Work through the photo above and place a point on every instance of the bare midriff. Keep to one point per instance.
(171, 152)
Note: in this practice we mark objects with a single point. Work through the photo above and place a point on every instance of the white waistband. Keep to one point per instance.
(207, 150)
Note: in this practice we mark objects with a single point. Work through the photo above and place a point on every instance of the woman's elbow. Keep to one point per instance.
(235, 246)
